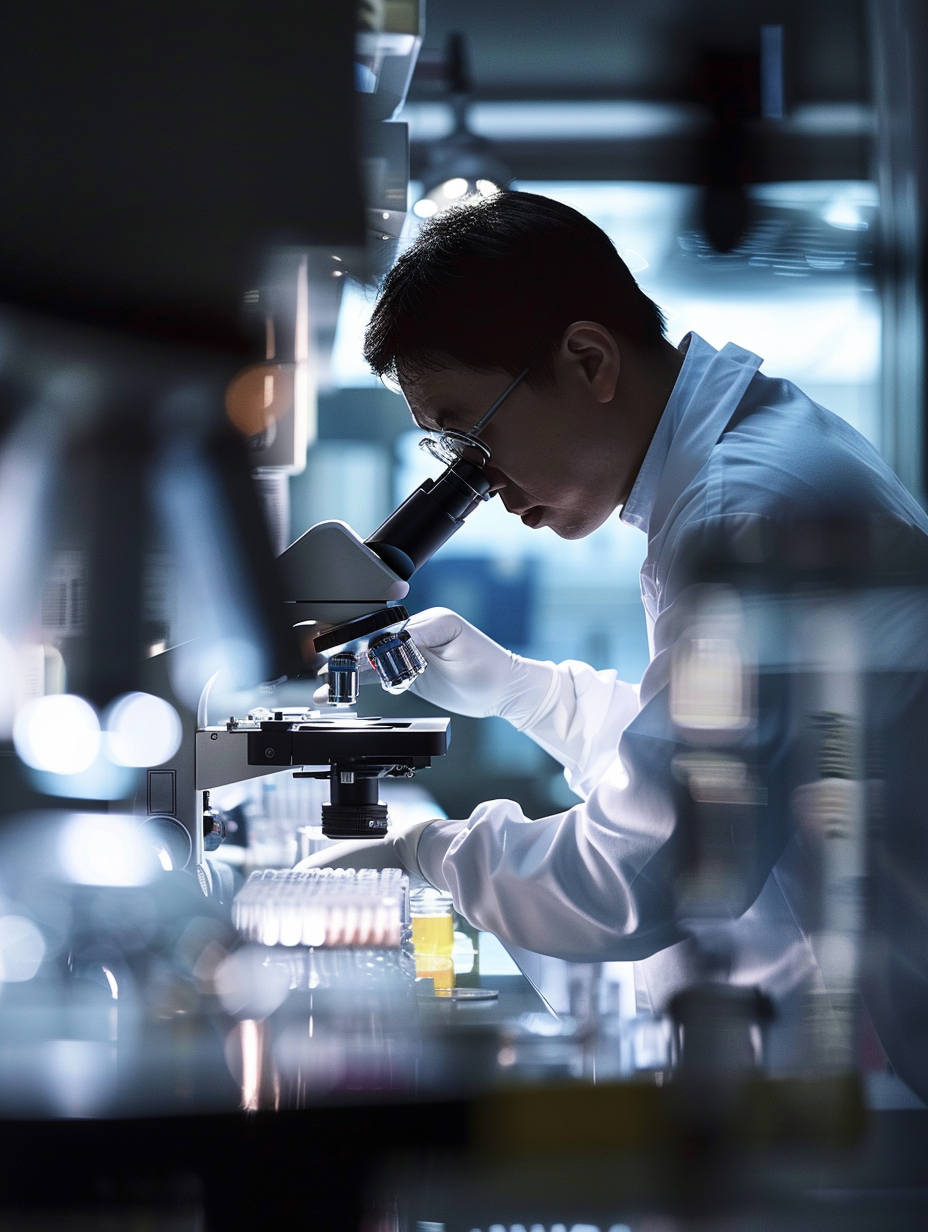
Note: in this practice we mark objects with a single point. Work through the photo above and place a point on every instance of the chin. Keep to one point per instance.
(576, 527)
(574, 530)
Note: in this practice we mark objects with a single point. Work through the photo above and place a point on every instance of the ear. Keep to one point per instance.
(591, 353)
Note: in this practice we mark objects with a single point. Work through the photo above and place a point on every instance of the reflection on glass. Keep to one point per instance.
(707, 690)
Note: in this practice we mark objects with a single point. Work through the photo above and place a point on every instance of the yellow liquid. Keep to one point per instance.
(439, 970)
(433, 934)
(433, 938)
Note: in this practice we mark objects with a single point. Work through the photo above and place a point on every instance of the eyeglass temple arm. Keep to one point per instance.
(485, 419)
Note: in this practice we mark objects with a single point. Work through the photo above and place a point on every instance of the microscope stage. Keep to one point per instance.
(241, 750)
(324, 741)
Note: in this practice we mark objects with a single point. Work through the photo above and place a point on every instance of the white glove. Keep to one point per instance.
(471, 674)
(397, 850)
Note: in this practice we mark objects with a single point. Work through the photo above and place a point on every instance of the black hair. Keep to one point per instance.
(494, 284)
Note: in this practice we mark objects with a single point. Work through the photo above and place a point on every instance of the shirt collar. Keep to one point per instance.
(706, 396)
(696, 355)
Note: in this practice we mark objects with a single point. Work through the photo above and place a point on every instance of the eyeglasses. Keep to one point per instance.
(451, 447)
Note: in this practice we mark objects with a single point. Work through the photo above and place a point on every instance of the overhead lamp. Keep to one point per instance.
(458, 189)
(461, 167)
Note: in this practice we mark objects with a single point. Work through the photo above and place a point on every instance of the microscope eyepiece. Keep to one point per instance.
(429, 517)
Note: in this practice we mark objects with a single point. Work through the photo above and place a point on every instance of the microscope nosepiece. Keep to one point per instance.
(397, 660)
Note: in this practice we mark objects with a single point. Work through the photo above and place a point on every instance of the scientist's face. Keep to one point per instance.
(564, 454)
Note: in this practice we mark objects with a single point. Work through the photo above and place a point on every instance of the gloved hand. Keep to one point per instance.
(471, 674)
(397, 850)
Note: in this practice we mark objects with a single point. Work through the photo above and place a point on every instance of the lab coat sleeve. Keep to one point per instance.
(592, 883)
(583, 719)
(598, 881)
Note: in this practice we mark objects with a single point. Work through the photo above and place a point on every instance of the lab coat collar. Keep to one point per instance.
(706, 395)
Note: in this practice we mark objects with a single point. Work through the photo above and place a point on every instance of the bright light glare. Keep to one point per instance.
(251, 1064)
(164, 858)
(634, 260)
(845, 215)
(9, 671)
(487, 188)
(59, 733)
(141, 730)
(425, 207)
(111, 980)
(454, 188)
(249, 986)
(22, 948)
(105, 849)
(199, 659)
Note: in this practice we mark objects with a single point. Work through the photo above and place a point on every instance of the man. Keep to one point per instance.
(523, 296)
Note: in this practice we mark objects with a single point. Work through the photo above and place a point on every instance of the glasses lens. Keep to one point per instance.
(451, 447)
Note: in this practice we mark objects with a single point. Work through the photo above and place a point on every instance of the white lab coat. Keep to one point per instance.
(595, 882)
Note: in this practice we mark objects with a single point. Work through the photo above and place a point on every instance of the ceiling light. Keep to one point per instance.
(462, 167)
(453, 188)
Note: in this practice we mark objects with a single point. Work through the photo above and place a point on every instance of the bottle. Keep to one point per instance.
(432, 920)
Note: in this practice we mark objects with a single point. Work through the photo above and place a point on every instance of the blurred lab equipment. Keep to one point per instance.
(124, 252)
(116, 331)
(799, 713)
(164, 442)
(335, 943)
(100, 943)
(367, 909)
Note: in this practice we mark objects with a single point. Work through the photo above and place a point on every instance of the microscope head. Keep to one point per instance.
(351, 607)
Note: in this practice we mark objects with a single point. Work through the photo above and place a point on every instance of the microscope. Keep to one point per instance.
(343, 598)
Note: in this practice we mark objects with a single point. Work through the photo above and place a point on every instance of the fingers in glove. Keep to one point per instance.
(436, 627)
(359, 853)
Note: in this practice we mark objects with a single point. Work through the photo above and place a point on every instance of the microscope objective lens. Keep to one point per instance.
(397, 660)
(343, 680)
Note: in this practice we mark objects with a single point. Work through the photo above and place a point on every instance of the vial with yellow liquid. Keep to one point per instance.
(432, 921)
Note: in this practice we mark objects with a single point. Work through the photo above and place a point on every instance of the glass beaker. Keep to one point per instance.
(432, 920)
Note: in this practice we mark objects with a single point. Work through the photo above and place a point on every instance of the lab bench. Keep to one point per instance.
(195, 1082)
(436, 1114)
